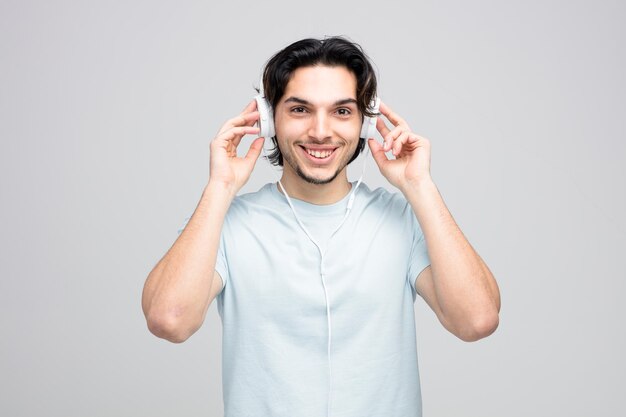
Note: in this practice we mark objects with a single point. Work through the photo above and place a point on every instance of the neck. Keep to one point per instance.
(320, 194)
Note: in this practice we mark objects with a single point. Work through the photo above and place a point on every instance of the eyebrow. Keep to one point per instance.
(298, 100)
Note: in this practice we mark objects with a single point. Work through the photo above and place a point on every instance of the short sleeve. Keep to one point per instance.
(221, 266)
(419, 258)
(220, 261)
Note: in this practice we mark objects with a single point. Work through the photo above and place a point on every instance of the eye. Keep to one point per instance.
(298, 109)
(343, 111)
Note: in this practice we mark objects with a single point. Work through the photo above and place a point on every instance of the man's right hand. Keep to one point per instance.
(225, 166)
(180, 288)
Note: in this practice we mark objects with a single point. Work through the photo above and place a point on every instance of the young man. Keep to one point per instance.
(316, 277)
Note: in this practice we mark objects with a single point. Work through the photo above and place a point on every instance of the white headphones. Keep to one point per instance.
(266, 117)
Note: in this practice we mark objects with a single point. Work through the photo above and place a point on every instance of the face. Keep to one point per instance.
(318, 123)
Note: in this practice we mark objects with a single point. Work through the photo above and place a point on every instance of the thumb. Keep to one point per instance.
(255, 150)
(378, 152)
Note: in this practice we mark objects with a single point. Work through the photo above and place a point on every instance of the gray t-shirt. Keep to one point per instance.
(277, 359)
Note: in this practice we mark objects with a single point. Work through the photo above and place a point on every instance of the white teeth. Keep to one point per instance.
(319, 154)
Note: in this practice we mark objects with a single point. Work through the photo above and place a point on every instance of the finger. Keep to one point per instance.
(237, 139)
(251, 118)
(399, 143)
(392, 116)
(253, 153)
(249, 107)
(392, 136)
(413, 138)
(251, 110)
(382, 128)
(244, 119)
(236, 133)
(378, 153)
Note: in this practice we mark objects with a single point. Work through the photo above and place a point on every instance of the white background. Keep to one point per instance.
(106, 113)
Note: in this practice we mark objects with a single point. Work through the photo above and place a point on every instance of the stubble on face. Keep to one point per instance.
(289, 159)
(318, 85)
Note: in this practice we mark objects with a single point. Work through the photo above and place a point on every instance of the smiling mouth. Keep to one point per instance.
(319, 153)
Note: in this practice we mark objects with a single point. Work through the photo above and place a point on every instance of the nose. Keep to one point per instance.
(320, 127)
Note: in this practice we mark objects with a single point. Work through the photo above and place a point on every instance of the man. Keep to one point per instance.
(315, 277)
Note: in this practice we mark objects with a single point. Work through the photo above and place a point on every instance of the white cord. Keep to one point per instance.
(322, 253)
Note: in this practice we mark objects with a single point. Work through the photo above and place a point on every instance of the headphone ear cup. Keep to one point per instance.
(368, 128)
(266, 117)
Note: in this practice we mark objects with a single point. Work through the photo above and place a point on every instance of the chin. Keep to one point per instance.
(324, 172)
(315, 180)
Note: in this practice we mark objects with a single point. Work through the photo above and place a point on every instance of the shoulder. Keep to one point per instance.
(386, 208)
(262, 202)
(263, 196)
(381, 198)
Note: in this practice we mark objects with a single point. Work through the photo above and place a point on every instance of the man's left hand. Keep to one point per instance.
(412, 152)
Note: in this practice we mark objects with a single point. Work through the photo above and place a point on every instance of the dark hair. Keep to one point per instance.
(332, 51)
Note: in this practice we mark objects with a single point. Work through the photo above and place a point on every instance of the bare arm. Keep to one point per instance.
(458, 286)
(177, 293)
(180, 288)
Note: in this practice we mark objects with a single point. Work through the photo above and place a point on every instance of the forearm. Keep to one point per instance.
(176, 293)
(465, 290)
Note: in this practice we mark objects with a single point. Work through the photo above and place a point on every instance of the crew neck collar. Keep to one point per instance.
(306, 207)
